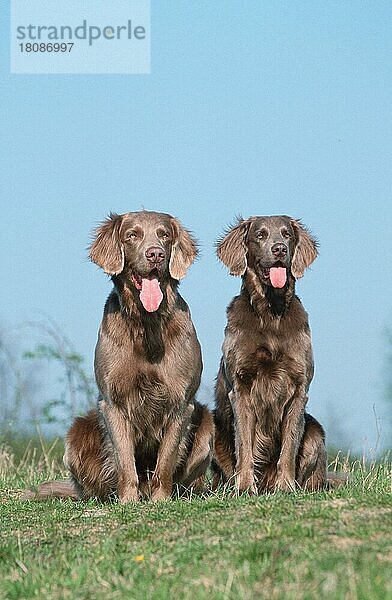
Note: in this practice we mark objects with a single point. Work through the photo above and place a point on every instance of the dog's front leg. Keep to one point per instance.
(292, 431)
(122, 436)
(244, 429)
(162, 480)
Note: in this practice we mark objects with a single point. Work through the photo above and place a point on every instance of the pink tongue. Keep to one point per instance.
(278, 276)
(151, 295)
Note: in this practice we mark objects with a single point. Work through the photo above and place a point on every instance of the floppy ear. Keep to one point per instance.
(107, 251)
(232, 250)
(305, 251)
(183, 252)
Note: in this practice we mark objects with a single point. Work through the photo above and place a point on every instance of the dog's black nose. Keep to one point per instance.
(155, 254)
(279, 249)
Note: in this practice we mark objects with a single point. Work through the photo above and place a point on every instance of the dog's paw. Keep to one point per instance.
(246, 484)
(285, 484)
(160, 493)
(250, 491)
(161, 488)
(128, 495)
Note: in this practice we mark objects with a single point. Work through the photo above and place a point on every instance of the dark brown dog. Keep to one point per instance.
(147, 432)
(263, 435)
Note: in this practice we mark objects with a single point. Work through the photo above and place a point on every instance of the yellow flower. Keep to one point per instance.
(139, 558)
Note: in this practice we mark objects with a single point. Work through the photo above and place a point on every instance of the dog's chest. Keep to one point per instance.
(269, 371)
(127, 373)
(149, 394)
(266, 363)
(147, 384)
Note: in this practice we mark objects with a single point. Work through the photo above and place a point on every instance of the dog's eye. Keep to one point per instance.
(131, 235)
(262, 234)
(286, 234)
(164, 235)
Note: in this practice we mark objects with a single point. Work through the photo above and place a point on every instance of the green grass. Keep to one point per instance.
(327, 545)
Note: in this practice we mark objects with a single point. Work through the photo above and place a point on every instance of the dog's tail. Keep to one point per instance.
(336, 480)
(52, 489)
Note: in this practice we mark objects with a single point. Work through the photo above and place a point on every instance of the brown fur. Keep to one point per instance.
(264, 438)
(147, 433)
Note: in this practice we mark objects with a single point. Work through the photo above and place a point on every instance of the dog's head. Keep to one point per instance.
(272, 247)
(147, 248)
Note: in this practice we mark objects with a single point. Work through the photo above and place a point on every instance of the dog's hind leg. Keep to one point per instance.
(311, 471)
(89, 461)
(89, 458)
(199, 457)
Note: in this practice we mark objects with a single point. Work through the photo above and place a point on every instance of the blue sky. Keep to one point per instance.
(251, 107)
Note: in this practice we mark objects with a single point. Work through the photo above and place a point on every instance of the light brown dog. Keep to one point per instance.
(264, 437)
(147, 432)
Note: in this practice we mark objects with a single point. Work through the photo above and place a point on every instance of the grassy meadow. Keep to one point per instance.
(332, 544)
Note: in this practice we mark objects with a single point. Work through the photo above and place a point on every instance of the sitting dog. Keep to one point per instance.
(147, 432)
(264, 437)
